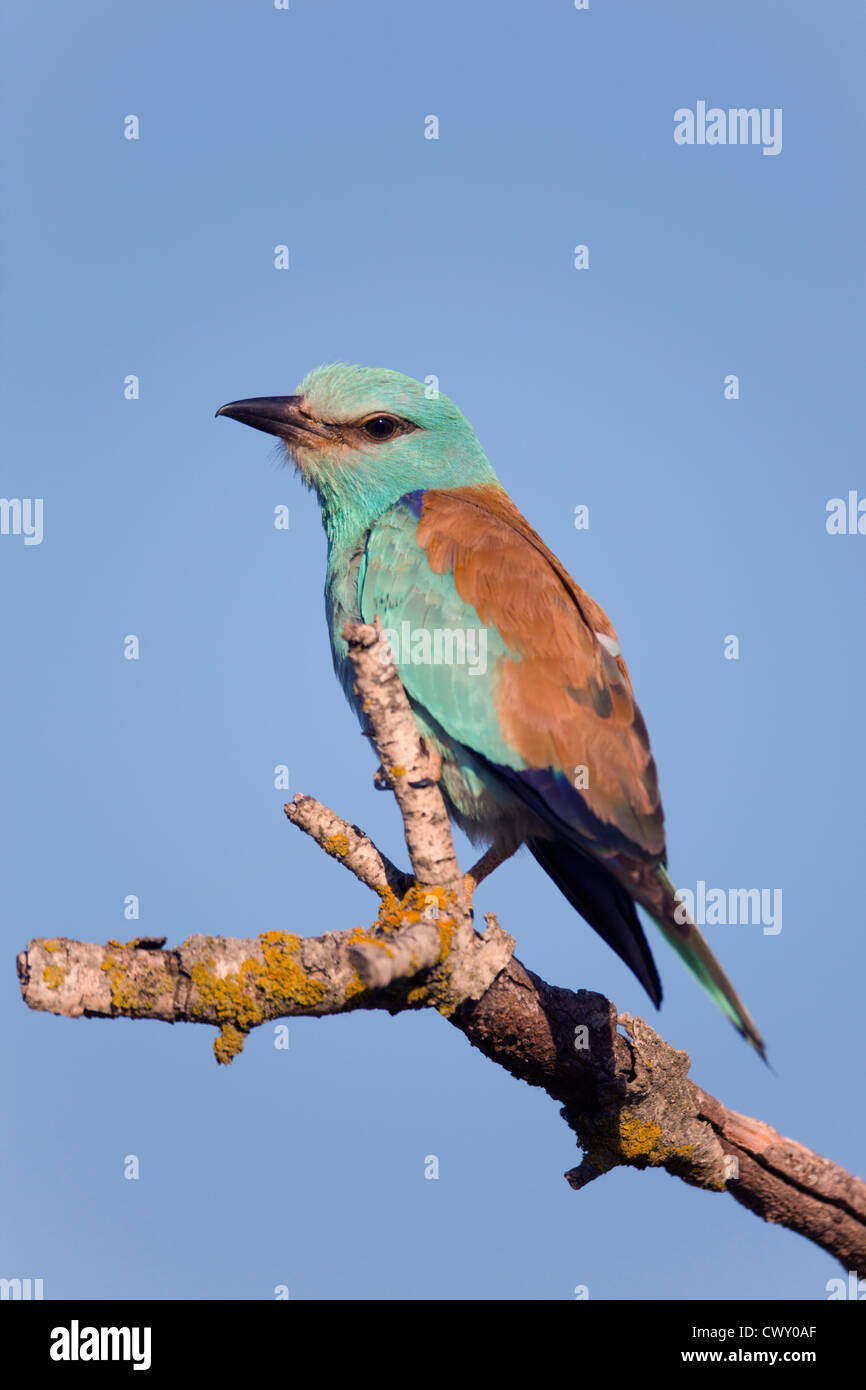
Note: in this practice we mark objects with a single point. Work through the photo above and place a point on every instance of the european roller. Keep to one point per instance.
(529, 705)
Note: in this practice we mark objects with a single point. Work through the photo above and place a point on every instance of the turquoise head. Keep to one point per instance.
(361, 437)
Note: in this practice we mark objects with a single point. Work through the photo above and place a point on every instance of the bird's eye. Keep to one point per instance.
(380, 427)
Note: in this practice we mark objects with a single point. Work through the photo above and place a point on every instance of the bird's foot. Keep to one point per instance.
(427, 774)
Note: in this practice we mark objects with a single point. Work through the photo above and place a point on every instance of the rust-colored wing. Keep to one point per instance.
(562, 693)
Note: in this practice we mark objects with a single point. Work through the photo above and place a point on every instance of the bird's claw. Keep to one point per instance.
(430, 772)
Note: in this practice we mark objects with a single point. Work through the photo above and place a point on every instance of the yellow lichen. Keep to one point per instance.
(229, 1043)
(337, 846)
(124, 996)
(433, 904)
(446, 932)
(257, 992)
(355, 987)
(136, 995)
(638, 1140)
(368, 936)
(54, 975)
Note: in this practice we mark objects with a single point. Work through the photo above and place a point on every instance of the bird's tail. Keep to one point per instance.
(603, 902)
(680, 931)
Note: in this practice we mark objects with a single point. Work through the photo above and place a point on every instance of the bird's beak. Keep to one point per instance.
(279, 415)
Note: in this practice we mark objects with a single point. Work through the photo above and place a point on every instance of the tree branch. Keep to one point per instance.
(624, 1092)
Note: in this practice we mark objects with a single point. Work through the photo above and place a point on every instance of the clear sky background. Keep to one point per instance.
(601, 387)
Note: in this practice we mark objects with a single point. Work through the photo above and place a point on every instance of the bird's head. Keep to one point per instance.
(362, 437)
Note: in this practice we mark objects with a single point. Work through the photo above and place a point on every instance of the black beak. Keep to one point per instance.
(279, 415)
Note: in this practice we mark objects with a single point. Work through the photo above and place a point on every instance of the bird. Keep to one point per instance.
(541, 743)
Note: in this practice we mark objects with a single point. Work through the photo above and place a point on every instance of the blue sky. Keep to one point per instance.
(601, 387)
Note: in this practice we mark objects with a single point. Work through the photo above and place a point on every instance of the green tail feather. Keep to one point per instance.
(691, 947)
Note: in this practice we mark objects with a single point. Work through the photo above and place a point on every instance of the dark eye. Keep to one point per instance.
(380, 427)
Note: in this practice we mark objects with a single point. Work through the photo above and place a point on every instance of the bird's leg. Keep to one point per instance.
(490, 860)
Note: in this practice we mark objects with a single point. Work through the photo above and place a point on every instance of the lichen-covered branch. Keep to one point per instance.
(789, 1185)
(627, 1096)
(348, 845)
(623, 1090)
(238, 984)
